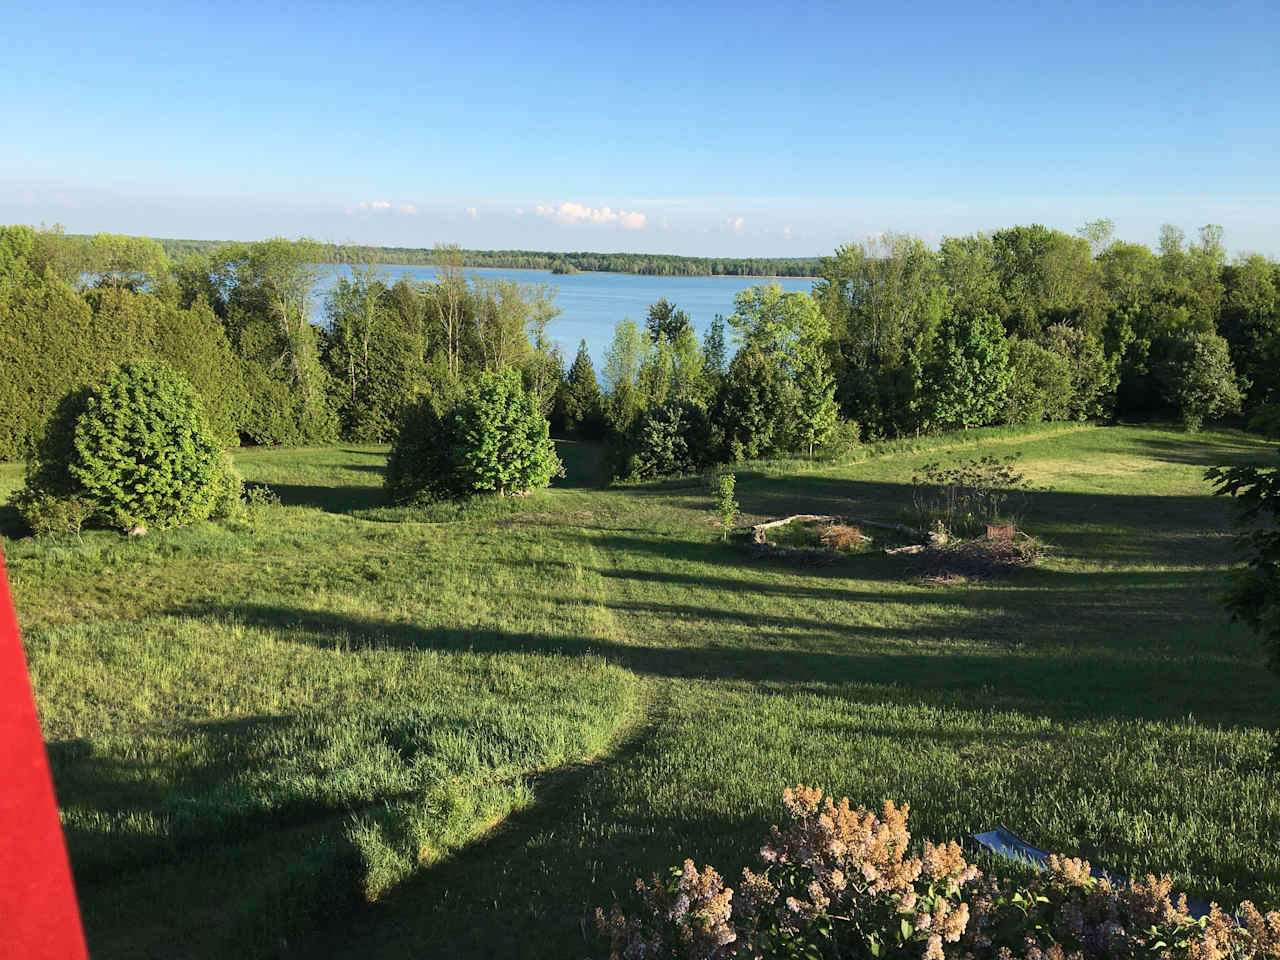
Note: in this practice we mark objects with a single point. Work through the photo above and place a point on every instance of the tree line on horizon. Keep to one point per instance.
(649, 264)
(1015, 326)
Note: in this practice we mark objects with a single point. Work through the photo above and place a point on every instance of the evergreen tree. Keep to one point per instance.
(670, 439)
(753, 407)
(580, 396)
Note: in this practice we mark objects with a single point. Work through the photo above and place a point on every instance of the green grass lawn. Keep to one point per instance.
(345, 731)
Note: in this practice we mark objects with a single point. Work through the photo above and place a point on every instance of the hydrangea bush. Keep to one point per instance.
(844, 882)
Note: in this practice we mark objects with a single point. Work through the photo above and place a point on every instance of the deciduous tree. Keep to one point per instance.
(968, 378)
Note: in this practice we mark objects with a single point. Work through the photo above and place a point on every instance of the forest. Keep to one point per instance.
(1020, 325)
(652, 264)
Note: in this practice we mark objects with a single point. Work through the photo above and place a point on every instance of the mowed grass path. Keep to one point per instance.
(492, 724)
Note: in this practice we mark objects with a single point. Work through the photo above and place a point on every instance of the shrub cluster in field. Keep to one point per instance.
(491, 439)
(843, 882)
(133, 452)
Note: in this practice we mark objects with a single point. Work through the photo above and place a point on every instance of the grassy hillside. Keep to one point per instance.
(490, 724)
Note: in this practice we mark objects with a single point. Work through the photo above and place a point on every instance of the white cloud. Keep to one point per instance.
(571, 213)
(471, 212)
(519, 211)
(382, 206)
(786, 232)
(734, 223)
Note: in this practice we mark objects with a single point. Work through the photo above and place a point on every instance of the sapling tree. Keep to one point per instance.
(816, 413)
(726, 505)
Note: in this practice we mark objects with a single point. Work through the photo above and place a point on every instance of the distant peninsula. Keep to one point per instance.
(652, 264)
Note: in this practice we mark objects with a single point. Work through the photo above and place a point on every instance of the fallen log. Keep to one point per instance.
(758, 531)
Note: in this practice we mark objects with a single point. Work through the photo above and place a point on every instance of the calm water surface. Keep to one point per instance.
(592, 303)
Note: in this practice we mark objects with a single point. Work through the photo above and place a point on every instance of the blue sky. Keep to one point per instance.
(730, 129)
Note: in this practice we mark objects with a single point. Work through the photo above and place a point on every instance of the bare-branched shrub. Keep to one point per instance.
(49, 514)
(844, 882)
(969, 494)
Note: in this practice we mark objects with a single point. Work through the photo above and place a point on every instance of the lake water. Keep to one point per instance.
(592, 303)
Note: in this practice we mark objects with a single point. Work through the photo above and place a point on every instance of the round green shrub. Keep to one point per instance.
(501, 442)
(137, 447)
(492, 440)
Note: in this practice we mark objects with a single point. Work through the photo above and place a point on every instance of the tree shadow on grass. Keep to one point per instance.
(912, 664)
(490, 898)
(212, 792)
(530, 888)
(343, 500)
(1220, 451)
(378, 468)
(211, 855)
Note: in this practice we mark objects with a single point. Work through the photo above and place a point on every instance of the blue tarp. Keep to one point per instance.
(1003, 842)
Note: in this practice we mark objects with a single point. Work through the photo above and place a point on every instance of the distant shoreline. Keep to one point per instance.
(616, 273)
(626, 264)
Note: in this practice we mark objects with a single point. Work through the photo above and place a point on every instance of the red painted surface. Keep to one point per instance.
(39, 918)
